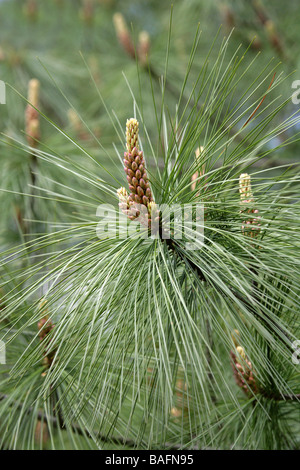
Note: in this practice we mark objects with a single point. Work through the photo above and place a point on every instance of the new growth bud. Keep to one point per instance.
(123, 34)
(241, 352)
(32, 118)
(45, 326)
(144, 47)
(242, 368)
(125, 40)
(245, 188)
(132, 134)
(200, 171)
(250, 227)
(135, 169)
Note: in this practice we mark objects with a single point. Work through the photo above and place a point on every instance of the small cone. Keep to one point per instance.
(123, 34)
(197, 174)
(45, 326)
(243, 371)
(144, 47)
(250, 227)
(32, 118)
(135, 169)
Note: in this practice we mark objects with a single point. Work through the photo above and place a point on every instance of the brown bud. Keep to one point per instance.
(140, 191)
(32, 121)
(143, 47)
(123, 34)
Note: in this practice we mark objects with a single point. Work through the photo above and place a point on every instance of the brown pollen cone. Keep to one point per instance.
(32, 118)
(135, 167)
(45, 326)
(243, 371)
(139, 202)
(144, 47)
(123, 34)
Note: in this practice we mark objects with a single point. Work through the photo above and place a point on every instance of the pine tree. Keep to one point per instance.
(150, 295)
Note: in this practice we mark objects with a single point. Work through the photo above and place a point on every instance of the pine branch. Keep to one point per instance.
(58, 423)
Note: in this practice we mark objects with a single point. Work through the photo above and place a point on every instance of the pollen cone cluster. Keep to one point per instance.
(242, 369)
(32, 118)
(250, 227)
(140, 195)
(45, 326)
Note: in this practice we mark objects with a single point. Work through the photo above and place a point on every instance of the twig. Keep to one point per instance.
(58, 423)
(260, 103)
